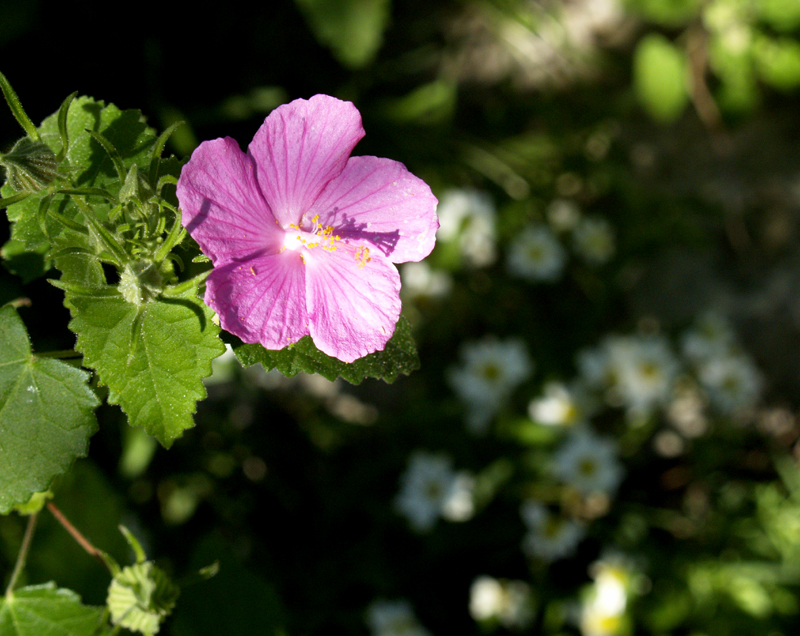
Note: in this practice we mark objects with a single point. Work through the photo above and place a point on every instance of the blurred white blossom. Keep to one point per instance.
(588, 463)
(593, 240)
(421, 280)
(536, 255)
(394, 618)
(732, 381)
(430, 489)
(604, 608)
(508, 602)
(561, 405)
(563, 215)
(710, 337)
(550, 537)
(490, 370)
(468, 217)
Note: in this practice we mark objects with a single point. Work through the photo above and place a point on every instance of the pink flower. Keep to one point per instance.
(302, 236)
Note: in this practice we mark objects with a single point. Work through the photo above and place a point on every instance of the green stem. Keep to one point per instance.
(23, 555)
(16, 107)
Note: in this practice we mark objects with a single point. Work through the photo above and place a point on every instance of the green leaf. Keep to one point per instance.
(152, 356)
(43, 610)
(86, 165)
(353, 30)
(46, 415)
(659, 76)
(778, 62)
(399, 356)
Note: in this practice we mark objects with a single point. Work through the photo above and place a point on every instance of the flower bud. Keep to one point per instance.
(140, 597)
(31, 166)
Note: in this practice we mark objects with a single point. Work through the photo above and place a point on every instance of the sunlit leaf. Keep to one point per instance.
(152, 356)
(659, 75)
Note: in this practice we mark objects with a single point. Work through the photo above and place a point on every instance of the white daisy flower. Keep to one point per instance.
(394, 618)
(421, 280)
(468, 217)
(490, 370)
(593, 240)
(508, 602)
(536, 255)
(550, 537)
(732, 381)
(710, 337)
(588, 463)
(563, 215)
(560, 405)
(431, 489)
(645, 369)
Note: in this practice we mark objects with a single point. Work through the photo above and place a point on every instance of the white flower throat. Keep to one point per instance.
(298, 237)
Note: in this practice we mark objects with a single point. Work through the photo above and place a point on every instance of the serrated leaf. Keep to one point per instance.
(86, 164)
(46, 415)
(44, 610)
(152, 357)
(399, 356)
(659, 77)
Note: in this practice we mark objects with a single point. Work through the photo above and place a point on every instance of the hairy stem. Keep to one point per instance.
(23, 554)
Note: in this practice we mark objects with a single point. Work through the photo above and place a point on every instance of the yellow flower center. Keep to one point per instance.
(318, 236)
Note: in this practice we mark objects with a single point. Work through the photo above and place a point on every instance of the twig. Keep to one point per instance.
(82, 541)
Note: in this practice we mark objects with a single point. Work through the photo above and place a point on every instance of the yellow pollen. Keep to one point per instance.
(317, 236)
(362, 255)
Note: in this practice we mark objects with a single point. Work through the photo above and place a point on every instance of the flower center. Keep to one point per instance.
(298, 236)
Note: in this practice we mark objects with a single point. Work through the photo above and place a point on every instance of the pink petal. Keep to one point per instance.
(221, 203)
(261, 300)
(352, 310)
(299, 148)
(379, 201)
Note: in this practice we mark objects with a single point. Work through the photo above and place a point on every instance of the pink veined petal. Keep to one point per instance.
(221, 203)
(379, 201)
(352, 310)
(261, 300)
(299, 148)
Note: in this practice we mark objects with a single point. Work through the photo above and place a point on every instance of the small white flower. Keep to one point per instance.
(711, 337)
(508, 602)
(563, 215)
(733, 382)
(604, 607)
(550, 537)
(394, 618)
(468, 217)
(431, 489)
(593, 240)
(588, 463)
(560, 405)
(420, 280)
(490, 370)
(536, 255)
(645, 370)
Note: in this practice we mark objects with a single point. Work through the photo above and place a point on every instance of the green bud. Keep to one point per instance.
(140, 282)
(31, 165)
(140, 597)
